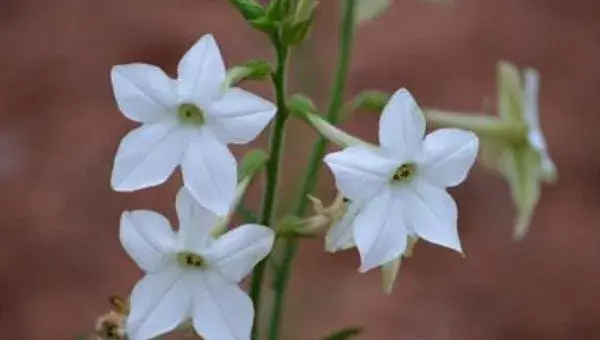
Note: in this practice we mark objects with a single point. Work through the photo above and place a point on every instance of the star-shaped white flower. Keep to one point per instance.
(190, 273)
(400, 187)
(187, 122)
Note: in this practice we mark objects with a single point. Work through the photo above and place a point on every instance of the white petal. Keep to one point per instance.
(148, 155)
(235, 253)
(240, 116)
(147, 237)
(341, 235)
(159, 303)
(449, 154)
(144, 93)
(532, 91)
(380, 231)
(433, 214)
(201, 72)
(360, 173)
(222, 311)
(402, 125)
(195, 223)
(210, 173)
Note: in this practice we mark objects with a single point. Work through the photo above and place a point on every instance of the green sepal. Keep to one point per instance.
(256, 69)
(295, 34)
(300, 105)
(252, 162)
(250, 9)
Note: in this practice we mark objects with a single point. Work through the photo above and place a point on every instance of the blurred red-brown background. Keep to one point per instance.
(59, 127)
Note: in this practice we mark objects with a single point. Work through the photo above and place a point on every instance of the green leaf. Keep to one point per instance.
(252, 162)
(250, 9)
(367, 10)
(344, 334)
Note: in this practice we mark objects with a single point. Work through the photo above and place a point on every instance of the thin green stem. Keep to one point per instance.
(483, 126)
(273, 166)
(310, 180)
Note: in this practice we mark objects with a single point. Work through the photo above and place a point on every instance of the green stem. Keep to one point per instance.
(310, 180)
(490, 127)
(273, 166)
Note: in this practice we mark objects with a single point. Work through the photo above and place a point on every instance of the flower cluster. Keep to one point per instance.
(389, 196)
(194, 272)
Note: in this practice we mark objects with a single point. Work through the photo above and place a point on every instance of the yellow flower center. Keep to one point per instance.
(404, 172)
(190, 260)
(190, 114)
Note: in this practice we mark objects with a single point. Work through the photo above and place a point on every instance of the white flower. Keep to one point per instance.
(191, 274)
(400, 187)
(187, 122)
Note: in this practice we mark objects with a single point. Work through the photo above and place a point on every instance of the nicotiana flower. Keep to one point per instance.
(400, 187)
(187, 122)
(191, 274)
(524, 159)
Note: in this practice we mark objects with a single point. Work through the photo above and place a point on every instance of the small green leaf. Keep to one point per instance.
(344, 334)
(367, 10)
(252, 162)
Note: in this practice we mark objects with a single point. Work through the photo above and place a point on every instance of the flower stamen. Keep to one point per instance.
(404, 172)
(190, 114)
(190, 260)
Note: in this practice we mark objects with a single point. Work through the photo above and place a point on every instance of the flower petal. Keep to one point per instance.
(360, 173)
(239, 116)
(146, 237)
(159, 303)
(144, 93)
(222, 311)
(531, 98)
(341, 236)
(201, 72)
(433, 214)
(449, 154)
(235, 253)
(148, 155)
(195, 223)
(402, 125)
(380, 231)
(210, 173)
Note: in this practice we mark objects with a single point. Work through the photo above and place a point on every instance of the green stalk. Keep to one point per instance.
(483, 126)
(273, 166)
(310, 180)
